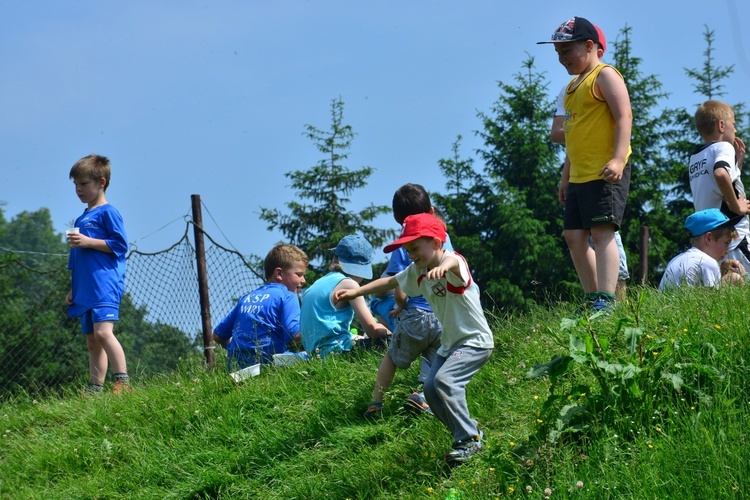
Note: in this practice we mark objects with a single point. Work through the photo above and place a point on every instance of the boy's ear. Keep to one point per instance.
(720, 126)
(102, 182)
(277, 274)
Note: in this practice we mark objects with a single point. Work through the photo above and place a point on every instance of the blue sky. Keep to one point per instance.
(211, 97)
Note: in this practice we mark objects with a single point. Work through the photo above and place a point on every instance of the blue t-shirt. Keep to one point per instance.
(324, 327)
(263, 322)
(399, 261)
(98, 278)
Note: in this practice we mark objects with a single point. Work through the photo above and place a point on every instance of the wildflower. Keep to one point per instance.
(685, 330)
(539, 421)
(511, 489)
(579, 484)
(512, 444)
(218, 418)
(718, 327)
(692, 408)
(426, 453)
(547, 492)
(650, 446)
(430, 490)
(492, 469)
(658, 429)
(536, 397)
(529, 489)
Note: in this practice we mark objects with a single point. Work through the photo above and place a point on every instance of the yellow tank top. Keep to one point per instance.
(589, 129)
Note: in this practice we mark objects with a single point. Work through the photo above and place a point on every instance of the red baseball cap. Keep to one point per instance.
(602, 39)
(418, 226)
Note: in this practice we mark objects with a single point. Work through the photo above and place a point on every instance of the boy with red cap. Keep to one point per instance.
(596, 178)
(444, 279)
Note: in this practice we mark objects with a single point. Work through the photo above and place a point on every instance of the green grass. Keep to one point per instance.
(298, 431)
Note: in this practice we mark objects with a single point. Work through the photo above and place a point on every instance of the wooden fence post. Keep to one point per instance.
(200, 257)
(643, 260)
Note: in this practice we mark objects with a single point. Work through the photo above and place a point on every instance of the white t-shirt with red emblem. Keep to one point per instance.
(455, 301)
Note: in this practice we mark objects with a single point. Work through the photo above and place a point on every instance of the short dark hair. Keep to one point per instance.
(92, 167)
(410, 199)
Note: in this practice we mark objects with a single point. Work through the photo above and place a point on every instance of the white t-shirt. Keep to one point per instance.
(455, 302)
(706, 193)
(692, 268)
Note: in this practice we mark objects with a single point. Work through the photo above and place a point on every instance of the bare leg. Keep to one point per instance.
(104, 335)
(97, 360)
(386, 373)
(607, 257)
(584, 258)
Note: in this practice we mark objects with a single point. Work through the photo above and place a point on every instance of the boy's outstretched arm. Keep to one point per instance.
(374, 287)
(615, 92)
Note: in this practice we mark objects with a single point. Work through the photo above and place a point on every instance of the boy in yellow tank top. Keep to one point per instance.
(596, 178)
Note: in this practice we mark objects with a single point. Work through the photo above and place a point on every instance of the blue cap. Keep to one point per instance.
(707, 220)
(355, 256)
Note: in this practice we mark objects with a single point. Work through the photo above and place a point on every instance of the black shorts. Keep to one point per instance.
(595, 203)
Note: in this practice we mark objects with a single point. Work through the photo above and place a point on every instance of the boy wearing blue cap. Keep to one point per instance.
(711, 233)
(324, 323)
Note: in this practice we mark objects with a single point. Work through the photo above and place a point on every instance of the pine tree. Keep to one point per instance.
(318, 225)
(507, 221)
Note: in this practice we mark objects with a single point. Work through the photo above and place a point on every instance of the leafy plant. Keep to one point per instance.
(621, 381)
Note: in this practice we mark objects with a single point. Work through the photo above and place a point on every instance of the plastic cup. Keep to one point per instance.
(72, 230)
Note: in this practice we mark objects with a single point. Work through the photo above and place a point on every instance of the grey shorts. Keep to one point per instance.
(417, 334)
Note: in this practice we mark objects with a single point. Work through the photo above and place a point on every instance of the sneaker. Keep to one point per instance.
(375, 410)
(416, 404)
(603, 304)
(121, 387)
(463, 450)
(94, 389)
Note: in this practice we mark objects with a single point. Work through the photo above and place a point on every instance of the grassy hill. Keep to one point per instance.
(651, 402)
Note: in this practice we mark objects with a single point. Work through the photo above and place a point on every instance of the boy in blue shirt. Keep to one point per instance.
(97, 264)
(265, 320)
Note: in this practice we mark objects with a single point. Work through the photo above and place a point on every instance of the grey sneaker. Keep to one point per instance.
(463, 450)
(416, 404)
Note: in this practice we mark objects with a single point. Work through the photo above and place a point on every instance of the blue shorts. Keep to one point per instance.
(97, 315)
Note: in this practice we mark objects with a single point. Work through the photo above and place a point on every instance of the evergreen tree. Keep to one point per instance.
(651, 172)
(317, 226)
(507, 221)
(681, 138)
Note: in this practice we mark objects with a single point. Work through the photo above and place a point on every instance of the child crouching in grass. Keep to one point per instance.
(443, 278)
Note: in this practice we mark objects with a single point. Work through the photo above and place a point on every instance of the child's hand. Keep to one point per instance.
(612, 171)
(347, 295)
(732, 266)
(77, 240)
(739, 149)
(436, 273)
(396, 311)
(69, 298)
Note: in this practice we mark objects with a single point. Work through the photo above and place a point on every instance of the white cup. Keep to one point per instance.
(72, 230)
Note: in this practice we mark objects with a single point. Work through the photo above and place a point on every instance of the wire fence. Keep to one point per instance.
(41, 349)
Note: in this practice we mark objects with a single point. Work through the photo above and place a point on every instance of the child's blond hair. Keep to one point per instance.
(708, 115)
(716, 233)
(92, 167)
(283, 256)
